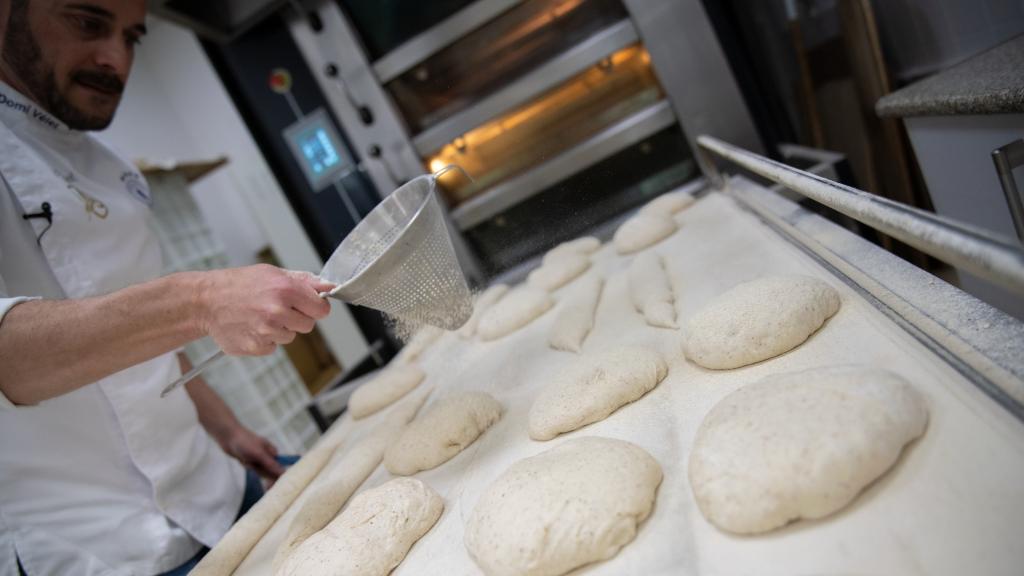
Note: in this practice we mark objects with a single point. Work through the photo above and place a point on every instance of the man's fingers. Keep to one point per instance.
(269, 447)
(268, 466)
(312, 305)
(296, 321)
(283, 336)
(317, 308)
(318, 284)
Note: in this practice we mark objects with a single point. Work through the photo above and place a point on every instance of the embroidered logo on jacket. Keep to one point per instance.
(137, 187)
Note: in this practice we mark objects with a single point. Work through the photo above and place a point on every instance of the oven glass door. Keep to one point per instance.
(496, 54)
(608, 92)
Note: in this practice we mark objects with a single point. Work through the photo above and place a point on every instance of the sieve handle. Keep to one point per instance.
(195, 371)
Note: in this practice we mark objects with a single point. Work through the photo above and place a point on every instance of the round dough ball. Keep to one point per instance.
(559, 272)
(668, 203)
(594, 387)
(445, 430)
(577, 503)
(372, 535)
(641, 231)
(517, 309)
(800, 445)
(758, 320)
(582, 245)
(393, 382)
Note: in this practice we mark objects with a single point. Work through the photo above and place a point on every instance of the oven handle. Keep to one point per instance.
(990, 256)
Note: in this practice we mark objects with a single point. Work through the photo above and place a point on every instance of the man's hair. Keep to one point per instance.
(23, 56)
(18, 44)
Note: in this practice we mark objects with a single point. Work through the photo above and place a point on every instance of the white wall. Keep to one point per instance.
(175, 107)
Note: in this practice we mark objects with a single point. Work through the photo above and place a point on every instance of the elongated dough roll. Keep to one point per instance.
(650, 290)
(576, 318)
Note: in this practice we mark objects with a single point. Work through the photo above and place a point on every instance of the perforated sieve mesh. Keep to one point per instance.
(400, 260)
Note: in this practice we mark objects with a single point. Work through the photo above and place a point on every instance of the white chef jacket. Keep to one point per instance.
(110, 478)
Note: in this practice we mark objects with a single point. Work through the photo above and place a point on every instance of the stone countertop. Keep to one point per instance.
(990, 83)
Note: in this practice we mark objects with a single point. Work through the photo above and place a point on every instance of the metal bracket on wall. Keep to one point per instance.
(1006, 158)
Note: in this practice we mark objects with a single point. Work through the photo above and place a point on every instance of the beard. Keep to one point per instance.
(23, 56)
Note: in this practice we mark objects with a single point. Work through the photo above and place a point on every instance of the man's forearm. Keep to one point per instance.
(51, 347)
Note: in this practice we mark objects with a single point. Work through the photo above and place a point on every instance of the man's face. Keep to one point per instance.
(72, 57)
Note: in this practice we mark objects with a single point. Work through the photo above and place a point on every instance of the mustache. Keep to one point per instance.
(102, 80)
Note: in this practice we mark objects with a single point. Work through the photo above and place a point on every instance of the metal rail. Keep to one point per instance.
(986, 255)
(1006, 158)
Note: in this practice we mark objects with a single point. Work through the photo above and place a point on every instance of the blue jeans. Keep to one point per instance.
(253, 492)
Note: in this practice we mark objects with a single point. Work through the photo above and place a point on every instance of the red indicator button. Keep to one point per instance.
(280, 80)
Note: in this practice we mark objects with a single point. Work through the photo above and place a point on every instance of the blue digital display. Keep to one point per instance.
(318, 149)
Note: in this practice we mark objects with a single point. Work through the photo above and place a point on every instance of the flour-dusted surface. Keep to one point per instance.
(800, 444)
(953, 504)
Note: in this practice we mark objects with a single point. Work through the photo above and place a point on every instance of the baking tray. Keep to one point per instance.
(953, 504)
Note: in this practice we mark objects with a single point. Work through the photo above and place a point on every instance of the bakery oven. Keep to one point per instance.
(565, 114)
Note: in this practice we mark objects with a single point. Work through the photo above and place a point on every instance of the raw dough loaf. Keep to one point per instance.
(800, 445)
(484, 301)
(372, 535)
(641, 231)
(758, 320)
(442, 432)
(347, 475)
(576, 318)
(517, 309)
(583, 245)
(650, 291)
(593, 388)
(418, 344)
(392, 383)
(572, 505)
(559, 272)
(668, 203)
(240, 539)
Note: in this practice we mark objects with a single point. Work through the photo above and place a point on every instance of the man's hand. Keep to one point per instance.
(253, 451)
(250, 310)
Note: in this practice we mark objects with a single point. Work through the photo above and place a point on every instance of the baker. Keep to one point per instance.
(98, 474)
